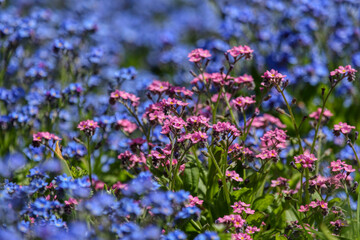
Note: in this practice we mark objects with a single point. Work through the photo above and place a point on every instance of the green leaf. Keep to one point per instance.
(241, 194)
(255, 219)
(191, 178)
(279, 237)
(262, 203)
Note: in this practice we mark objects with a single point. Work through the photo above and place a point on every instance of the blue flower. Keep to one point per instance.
(175, 235)
(207, 236)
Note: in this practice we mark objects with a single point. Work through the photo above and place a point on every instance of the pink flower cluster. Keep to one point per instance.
(243, 102)
(126, 125)
(330, 182)
(194, 201)
(344, 128)
(130, 160)
(267, 154)
(313, 204)
(38, 137)
(266, 119)
(280, 181)
(198, 121)
(272, 77)
(316, 114)
(88, 125)
(172, 124)
(237, 221)
(158, 86)
(339, 165)
(234, 176)
(173, 102)
(338, 223)
(155, 113)
(194, 137)
(236, 148)
(347, 70)
(124, 96)
(198, 54)
(306, 160)
(241, 51)
(226, 128)
(244, 79)
(274, 139)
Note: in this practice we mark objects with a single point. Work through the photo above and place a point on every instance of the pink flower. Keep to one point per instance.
(243, 102)
(306, 160)
(338, 223)
(323, 205)
(180, 90)
(342, 127)
(346, 71)
(252, 230)
(71, 201)
(158, 87)
(173, 102)
(317, 113)
(275, 138)
(249, 211)
(271, 77)
(267, 154)
(244, 79)
(88, 125)
(339, 165)
(194, 201)
(304, 208)
(157, 155)
(234, 176)
(240, 236)
(38, 137)
(226, 128)
(124, 96)
(198, 54)
(198, 136)
(313, 204)
(280, 181)
(198, 121)
(241, 51)
(265, 120)
(126, 125)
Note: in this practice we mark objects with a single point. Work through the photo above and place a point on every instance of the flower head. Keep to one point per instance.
(344, 128)
(88, 127)
(198, 54)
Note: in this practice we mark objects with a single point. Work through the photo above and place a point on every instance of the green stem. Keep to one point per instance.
(89, 161)
(222, 176)
(292, 118)
(230, 110)
(356, 156)
(320, 118)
